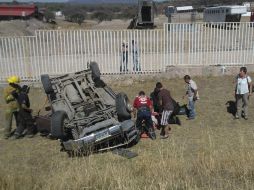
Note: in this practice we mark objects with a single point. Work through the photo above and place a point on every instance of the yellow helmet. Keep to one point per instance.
(13, 79)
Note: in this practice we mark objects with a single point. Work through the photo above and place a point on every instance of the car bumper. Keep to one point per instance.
(125, 131)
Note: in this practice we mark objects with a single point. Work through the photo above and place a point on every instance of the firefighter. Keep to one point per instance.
(143, 109)
(12, 104)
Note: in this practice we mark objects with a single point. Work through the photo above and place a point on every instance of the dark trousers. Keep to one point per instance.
(124, 62)
(26, 121)
(148, 123)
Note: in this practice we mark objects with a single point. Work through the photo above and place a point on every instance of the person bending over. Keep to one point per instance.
(143, 109)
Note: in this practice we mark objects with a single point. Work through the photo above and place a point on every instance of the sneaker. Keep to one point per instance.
(190, 118)
(164, 136)
(236, 117)
(246, 118)
(30, 136)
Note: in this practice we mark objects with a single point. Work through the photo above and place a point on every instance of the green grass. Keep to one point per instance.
(212, 152)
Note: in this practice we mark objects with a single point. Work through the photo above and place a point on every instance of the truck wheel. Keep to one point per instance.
(58, 120)
(46, 84)
(96, 74)
(123, 107)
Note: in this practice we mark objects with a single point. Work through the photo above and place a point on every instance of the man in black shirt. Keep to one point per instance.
(25, 119)
(166, 109)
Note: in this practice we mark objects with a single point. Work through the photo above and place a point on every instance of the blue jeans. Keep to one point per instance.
(136, 66)
(124, 62)
(191, 106)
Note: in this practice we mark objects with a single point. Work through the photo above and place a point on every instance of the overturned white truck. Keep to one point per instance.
(87, 115)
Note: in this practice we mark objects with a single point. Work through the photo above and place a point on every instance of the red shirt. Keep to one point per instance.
(142, 101)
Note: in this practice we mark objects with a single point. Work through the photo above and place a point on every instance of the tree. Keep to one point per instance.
(101, 16)
(77, 18)
(49, 16)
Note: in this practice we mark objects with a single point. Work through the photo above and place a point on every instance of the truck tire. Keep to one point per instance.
(57, 125)
(46, 84)
(96, 73)
(122, 107)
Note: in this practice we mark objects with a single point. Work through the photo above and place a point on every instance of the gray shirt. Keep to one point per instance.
(191, 87)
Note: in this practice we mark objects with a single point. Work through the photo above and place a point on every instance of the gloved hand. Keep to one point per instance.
(9, 99)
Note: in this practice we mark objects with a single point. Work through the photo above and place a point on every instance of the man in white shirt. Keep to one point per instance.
(243, 90)
(192, 94)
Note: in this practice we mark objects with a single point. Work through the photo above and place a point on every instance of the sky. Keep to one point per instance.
(35, 0)
(43, 0)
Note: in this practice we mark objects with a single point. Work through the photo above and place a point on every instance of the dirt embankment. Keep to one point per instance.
(22, 27)
(27, 27)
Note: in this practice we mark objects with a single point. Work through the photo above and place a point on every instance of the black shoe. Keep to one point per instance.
(178, 122)
(7, 136)
(15, 137)
(152, 135)
(30, 136)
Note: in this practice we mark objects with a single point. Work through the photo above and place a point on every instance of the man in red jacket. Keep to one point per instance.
(143, 108)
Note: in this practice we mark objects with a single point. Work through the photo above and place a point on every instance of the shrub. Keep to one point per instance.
(101, 16)
(77, 18)
(49, 16)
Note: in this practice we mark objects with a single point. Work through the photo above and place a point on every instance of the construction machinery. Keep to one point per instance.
(145, 17)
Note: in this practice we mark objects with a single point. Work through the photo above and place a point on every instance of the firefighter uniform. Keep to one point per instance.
(12, 107)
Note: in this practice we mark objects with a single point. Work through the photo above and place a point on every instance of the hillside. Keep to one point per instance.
(103, 1)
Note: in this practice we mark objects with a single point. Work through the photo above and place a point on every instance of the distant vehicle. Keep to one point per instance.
(145, 17)
(184, 9)
(178, 14)
(224, 13)
(19, 11)
(252, 17)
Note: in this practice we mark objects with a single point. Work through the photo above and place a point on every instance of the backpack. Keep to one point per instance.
(249, 85)
(176, 107)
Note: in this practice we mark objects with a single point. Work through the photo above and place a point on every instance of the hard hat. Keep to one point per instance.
(13, 79)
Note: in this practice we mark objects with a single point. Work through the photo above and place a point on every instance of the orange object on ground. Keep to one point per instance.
(144, 136)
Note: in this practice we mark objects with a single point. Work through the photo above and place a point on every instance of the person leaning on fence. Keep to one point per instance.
(136, 65)
(166, 109)
(143, 109)
(243, 90)
(124, 61)
(12, 107)
(192, 94)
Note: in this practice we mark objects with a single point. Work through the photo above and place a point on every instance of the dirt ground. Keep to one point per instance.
(212, 152)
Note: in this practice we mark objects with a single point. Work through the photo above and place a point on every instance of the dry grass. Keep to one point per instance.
(212, 152)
